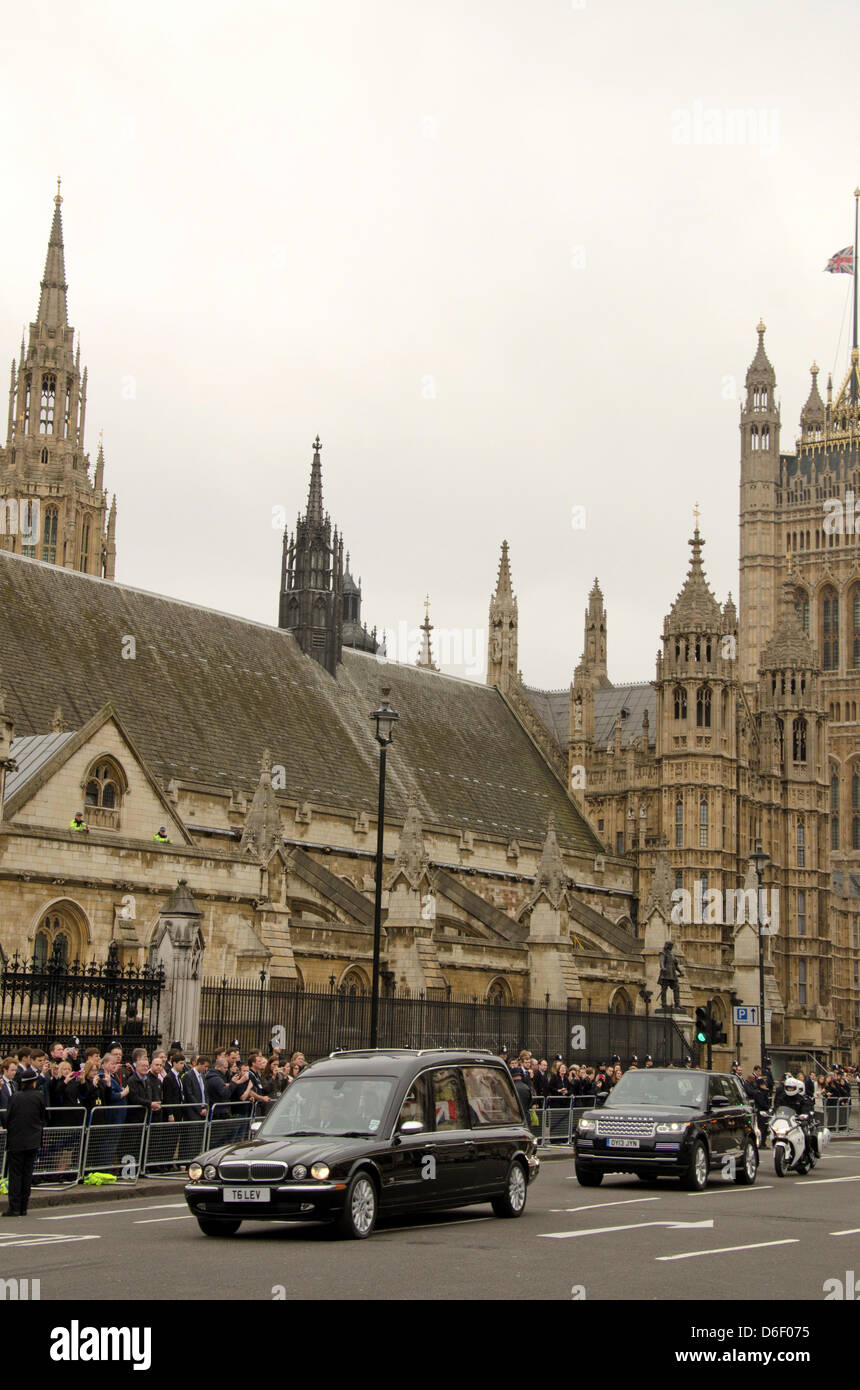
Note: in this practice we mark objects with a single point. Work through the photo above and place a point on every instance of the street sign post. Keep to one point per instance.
(746, 1015)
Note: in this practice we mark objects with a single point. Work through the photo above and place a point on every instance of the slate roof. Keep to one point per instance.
(553, 709)
(207, 692)
(31, 753)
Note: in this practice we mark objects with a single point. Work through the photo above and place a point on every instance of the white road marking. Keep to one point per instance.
(598, 1206)
(640, 1226)
(811, 1181)
(726, 1250)
(153, 1220)
(114, 1211)
(37, 1239)
(710, 1191)
(855, 1231)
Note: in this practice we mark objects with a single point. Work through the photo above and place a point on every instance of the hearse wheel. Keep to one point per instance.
(512, 1201)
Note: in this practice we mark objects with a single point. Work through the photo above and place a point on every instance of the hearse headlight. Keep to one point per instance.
(671, 1127)
(300, 1171)
(320, 1170)
(585, 1123)
(195, 1172)
(210, 1171)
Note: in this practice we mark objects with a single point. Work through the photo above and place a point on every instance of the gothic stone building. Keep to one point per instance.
(747, 733)
(53, 505)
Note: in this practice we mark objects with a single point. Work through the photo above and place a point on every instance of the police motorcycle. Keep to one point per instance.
(798, 1141)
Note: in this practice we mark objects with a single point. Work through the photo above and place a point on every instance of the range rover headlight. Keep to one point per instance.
(210, 1171)
(195, 1172)
(585, 1124)
(671, 1127)
(320, 1170)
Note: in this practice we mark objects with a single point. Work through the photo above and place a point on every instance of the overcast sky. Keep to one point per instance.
(507, 258)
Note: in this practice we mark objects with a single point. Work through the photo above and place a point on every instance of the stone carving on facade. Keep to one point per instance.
(263, 833)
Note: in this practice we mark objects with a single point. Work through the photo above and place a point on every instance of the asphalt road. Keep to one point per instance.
(780, 1239)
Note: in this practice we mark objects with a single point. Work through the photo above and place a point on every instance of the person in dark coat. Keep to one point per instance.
(171, 1086)
(194, 1087)
(25, 1120)
(8, 1085)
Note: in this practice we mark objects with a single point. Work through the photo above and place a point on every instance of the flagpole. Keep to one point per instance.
(854, 258)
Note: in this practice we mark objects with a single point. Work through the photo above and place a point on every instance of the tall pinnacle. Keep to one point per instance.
(53, 309)
(504, 588)
(315, 501)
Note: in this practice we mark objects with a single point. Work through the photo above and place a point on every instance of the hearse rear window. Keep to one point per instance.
(491, 1097)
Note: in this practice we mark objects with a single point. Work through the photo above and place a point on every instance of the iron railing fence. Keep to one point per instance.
(96, 1001)
(254, 1014)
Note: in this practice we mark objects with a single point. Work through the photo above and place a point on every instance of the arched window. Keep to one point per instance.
(754, 437)
(46, 414)
(834, 809)
(353, 982)
(40, 950)
(829, 630)
(801, 603)
(703, 707)
(801, 843)
(103, 793)
(680, 702)
(679, 822)
(85, 545)
(28, 522)
(703, 824)
(498, 991)
(26, 419)
(765, 436)
(49, 536)
(854, 610)
(67, 411)
(855, 790)
(855, 832)
(799, 740)
(621, 1002)
(58, 937)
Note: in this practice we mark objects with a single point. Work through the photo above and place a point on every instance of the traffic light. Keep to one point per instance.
(703, 1024)
(718, 1034)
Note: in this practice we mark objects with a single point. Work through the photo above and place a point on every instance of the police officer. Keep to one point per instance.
(161, 837)
(25, 1120)
(78, 823)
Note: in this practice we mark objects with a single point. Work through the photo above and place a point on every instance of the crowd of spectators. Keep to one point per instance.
(167, 1084)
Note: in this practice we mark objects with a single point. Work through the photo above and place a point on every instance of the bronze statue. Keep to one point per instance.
(670, 973)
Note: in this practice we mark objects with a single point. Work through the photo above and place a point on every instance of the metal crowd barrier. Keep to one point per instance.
(130, 1142)
(174, 1136)
(554, 1119)
(837, 1113)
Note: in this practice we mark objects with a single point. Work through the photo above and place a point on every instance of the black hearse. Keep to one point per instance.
(378, 1132)
(665, 1121)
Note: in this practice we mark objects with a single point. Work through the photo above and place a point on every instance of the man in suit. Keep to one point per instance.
(25, 1120)
(8, 1085)
(194, 1086)
(139, 1094)
(171, 1085)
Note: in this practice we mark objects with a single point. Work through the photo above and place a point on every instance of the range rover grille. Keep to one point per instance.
(610, 1126)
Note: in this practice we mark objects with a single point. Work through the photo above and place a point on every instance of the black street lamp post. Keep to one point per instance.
(759, 859)
(385, 718)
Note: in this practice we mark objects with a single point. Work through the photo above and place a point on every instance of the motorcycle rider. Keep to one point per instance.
(791, 1093)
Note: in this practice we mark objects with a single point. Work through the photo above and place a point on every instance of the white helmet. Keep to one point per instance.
(792, 1086)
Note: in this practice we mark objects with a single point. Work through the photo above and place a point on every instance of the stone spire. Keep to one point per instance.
(53, 309)
(425, 656)
(263, 833)
(312, 579)
(314, 516)
(695, 610)
(812, 414)
(551, 878)
(411, 861)
(502, 665)
(789, 647)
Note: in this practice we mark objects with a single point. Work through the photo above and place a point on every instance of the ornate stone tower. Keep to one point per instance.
(760, 548)
(425, 656)
(697, 696)
(594, 643)
(504, 626)
(51, 507)
(311, 603)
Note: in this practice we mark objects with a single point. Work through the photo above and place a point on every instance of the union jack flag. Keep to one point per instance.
(842, 262)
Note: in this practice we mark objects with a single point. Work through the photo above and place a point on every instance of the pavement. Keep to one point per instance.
(779, 1239)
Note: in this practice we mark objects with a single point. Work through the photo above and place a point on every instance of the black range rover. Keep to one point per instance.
(681, 1123)
(380, 1132)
